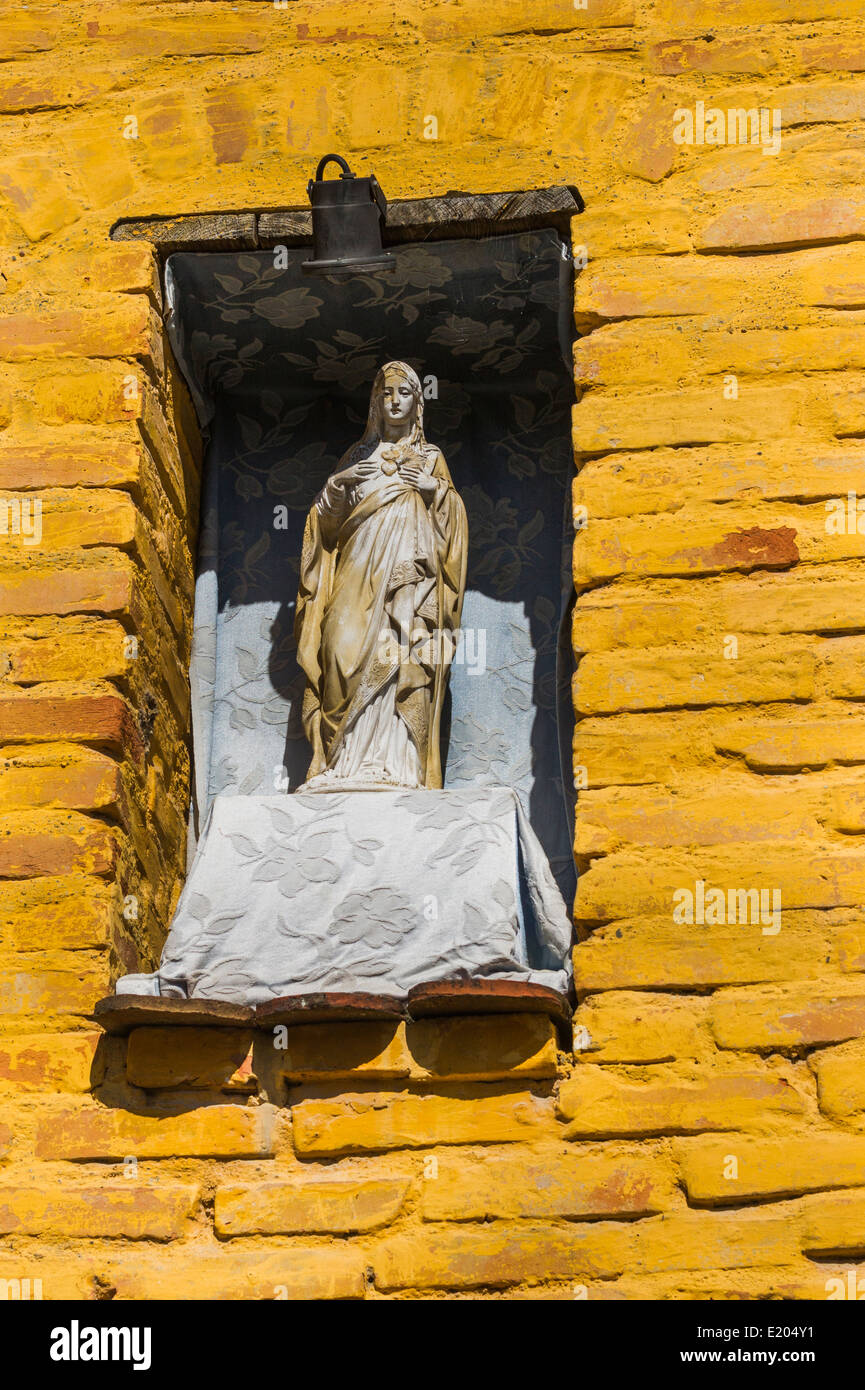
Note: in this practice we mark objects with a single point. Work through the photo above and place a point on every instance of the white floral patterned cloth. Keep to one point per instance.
(362, 891)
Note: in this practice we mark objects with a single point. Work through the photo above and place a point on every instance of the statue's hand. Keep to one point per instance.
(425, 485)
(354, 474)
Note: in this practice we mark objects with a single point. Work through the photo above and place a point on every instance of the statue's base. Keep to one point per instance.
(370, 893)
(120, 1013)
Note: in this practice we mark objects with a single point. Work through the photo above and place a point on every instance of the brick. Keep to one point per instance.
(206, 1058)
(37, 198)
(779, 746)
(343, 1050)
(81, 460)
(35, 32)
(603, 423)
(668, 676)
(745, 291)
(367, 1124)
(643, 881)
(596, 1103)
(58, 1062)
(668, 480)
(171, 140)
(100, 394)
(101, 159)
(635, 1027)
(811, 1014)
(33, 989)
(377, 100)
(482, 1048)
(355, 22)
(629, 227)
(28, 87)
(55, 842)
(50, 588)
(88, 518)
(57, 775)
(847, 408)
(844, 668)
(57, 912)
(120, 1209)
(807, 103)
(232, 112)
(451, 92)
(548, 1184)
(712, 1241)
(831, 54)
(834, 1224)
(126, 267)
(834, 278)
(95, 1132)
(825, 1281)
(692, 814)
(764, 225)
(179, 35)
(631, 749)
(649, 953)
(841, 1080)
(795, 1279)
(448, 20)
(71, 650)
(308, 102)
(648, 286)
(342, 1206)
(119, 326)
(586, 101)
(803, 600)
(671, 57)
(770, 1168)
(522, 88)
(647, 146)
(499, 1254)
(685, 13)
(301, 1273)
(648, 352)
(44, 711)
(46, 1276)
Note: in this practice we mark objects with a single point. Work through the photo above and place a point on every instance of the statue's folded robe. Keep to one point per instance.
(362, 891)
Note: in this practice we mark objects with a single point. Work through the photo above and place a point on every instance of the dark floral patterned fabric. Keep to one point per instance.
(280, 366)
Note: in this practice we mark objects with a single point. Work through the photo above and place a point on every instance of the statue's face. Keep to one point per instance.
(397, 400)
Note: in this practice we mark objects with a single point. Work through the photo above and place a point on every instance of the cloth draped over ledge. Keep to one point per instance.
(371, 891)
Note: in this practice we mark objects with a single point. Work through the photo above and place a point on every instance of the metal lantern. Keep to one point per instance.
(348, 214)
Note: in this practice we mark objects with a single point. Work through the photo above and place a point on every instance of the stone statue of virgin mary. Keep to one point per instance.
(382, 579)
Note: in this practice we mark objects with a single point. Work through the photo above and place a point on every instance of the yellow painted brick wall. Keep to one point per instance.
(707, 1136)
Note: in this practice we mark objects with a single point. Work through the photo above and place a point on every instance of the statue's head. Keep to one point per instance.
(396, 402)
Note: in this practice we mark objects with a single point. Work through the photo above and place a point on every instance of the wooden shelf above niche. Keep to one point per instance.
(454, 214)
